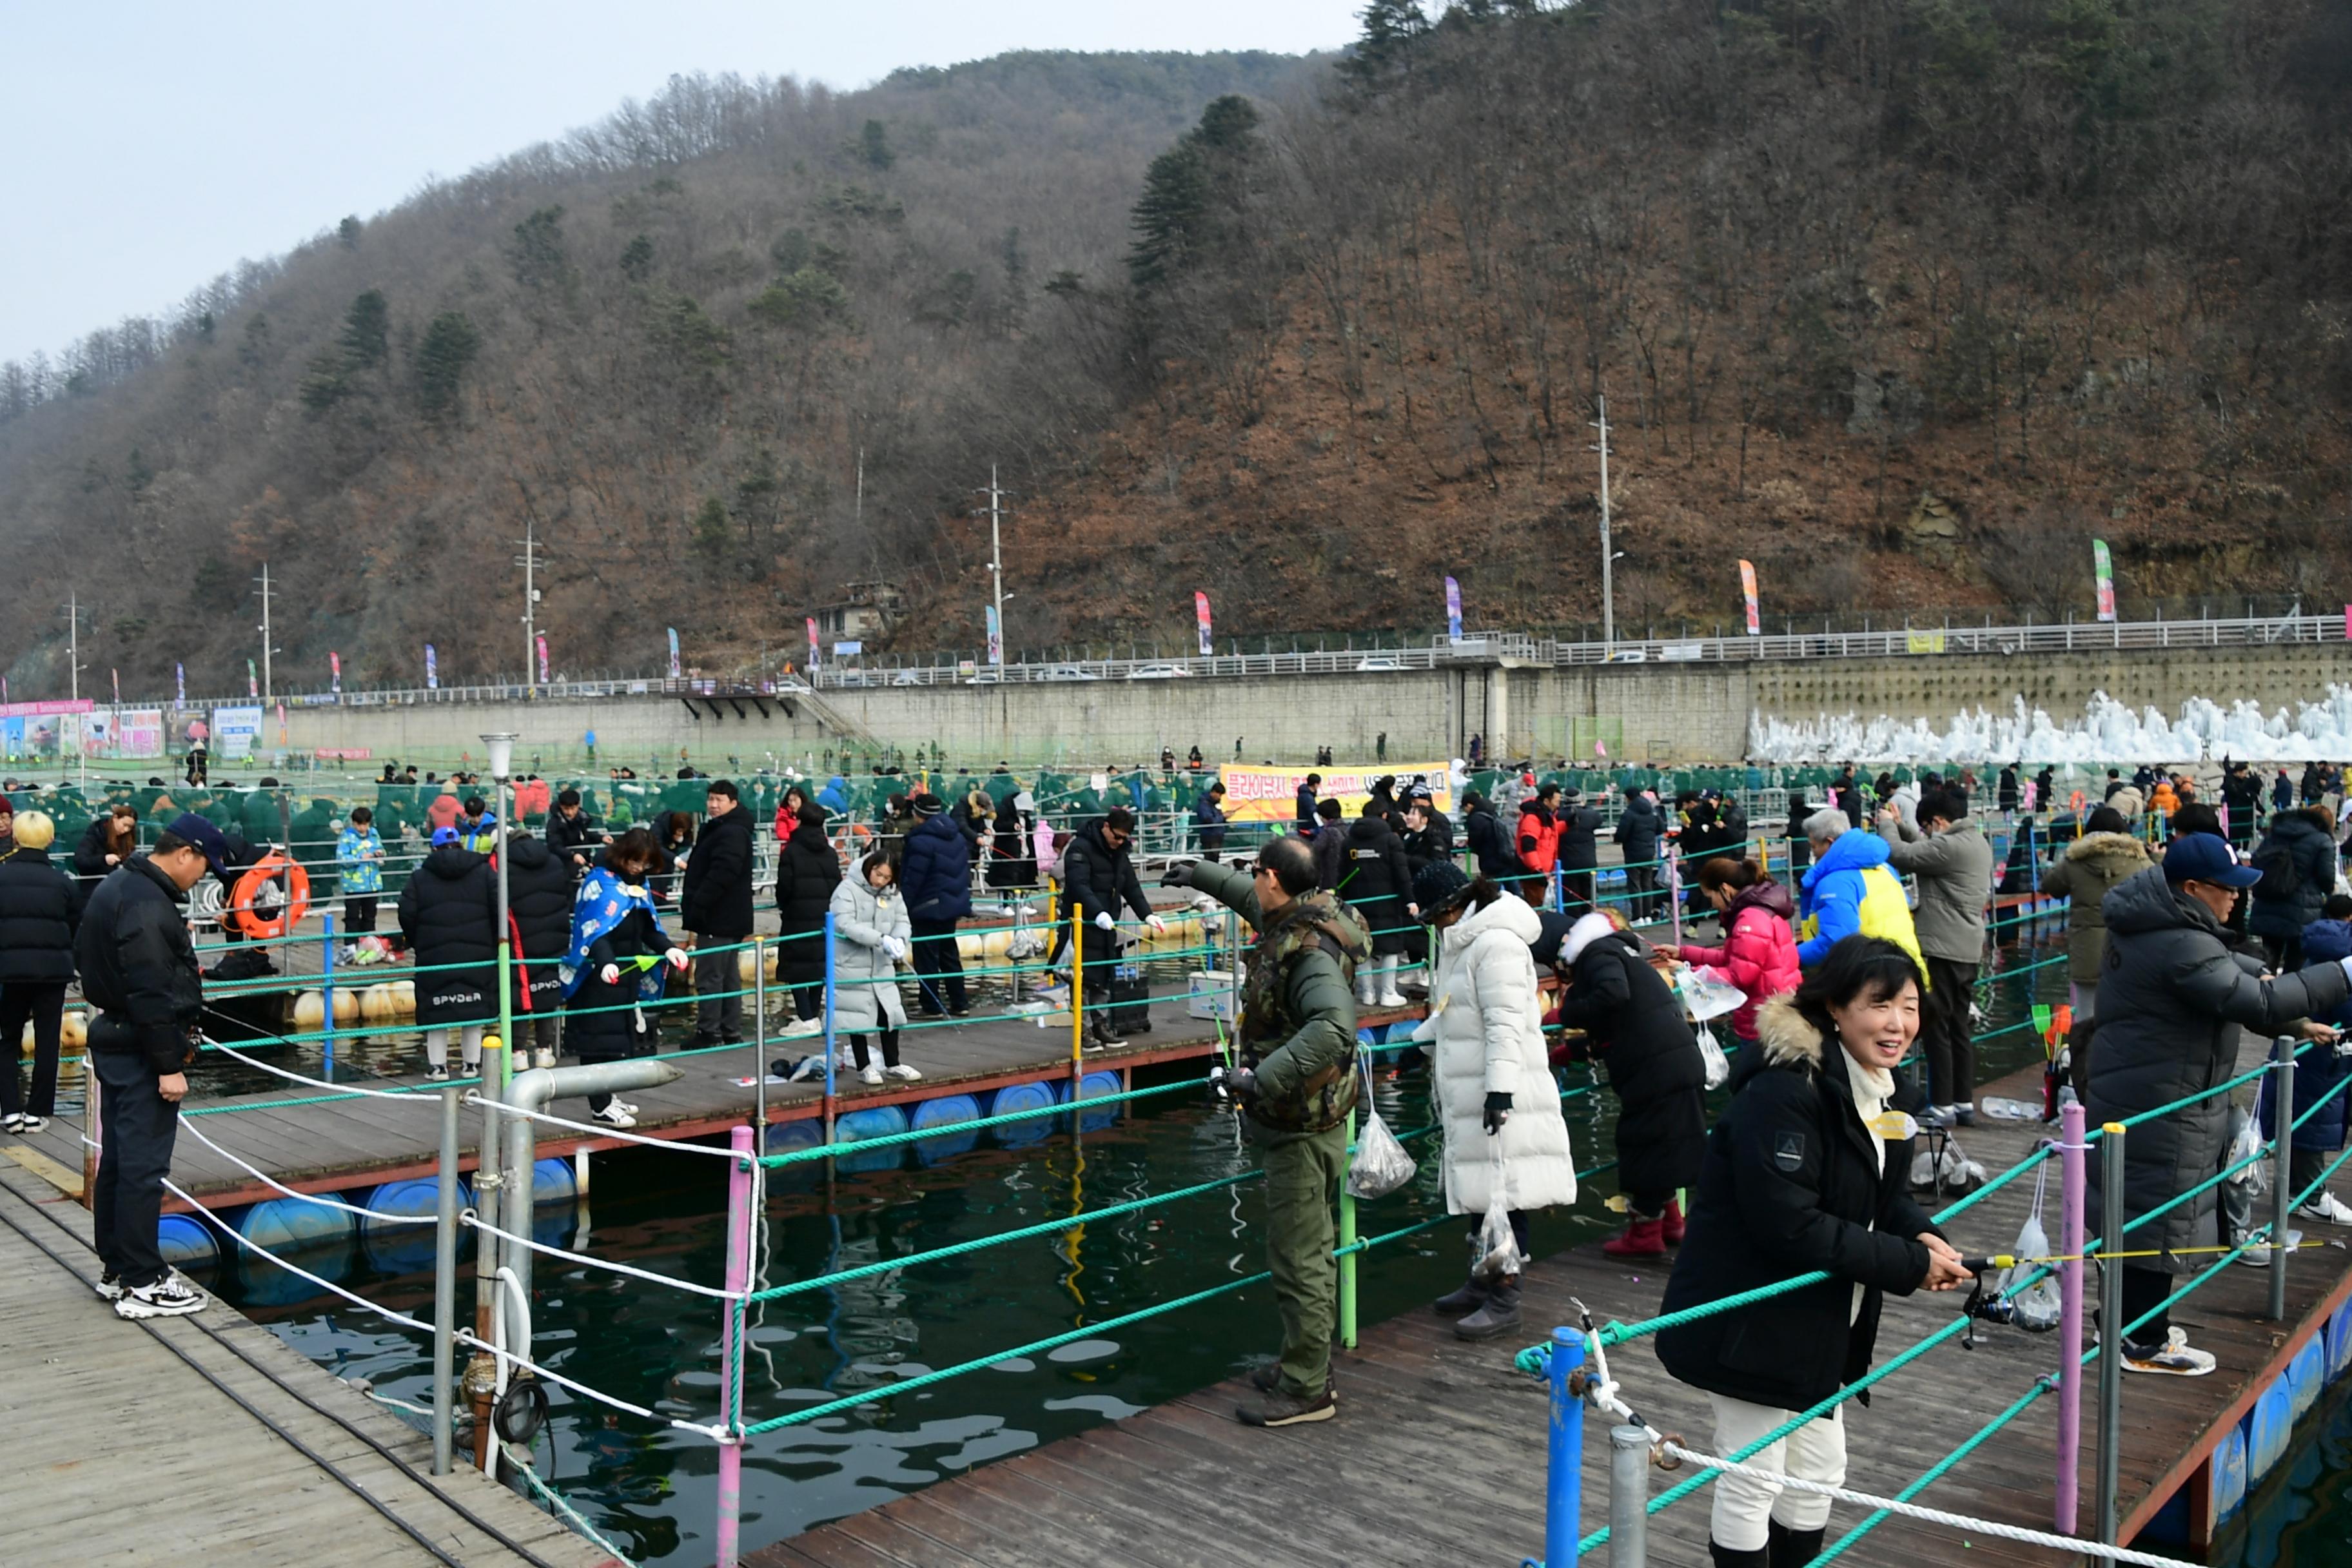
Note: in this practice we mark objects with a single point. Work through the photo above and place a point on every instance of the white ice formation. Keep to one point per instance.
(2107, 732)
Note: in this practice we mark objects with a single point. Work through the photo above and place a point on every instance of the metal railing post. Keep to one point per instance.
(1346, 1241)
(2067, 1510)
(1564, 1456)
(1629, 1498)
(2111, 1326)
(2282, 1165)
(444, 1289)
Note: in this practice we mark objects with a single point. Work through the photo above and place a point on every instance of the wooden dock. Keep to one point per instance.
(1437, 1455)
(123, 1449)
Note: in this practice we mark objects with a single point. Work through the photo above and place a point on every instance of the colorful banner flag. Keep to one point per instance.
(1453, 610)
(118, 685)
(1200, 615)
(432, 669)
(180, 685)
(335, 672)
(813, 644)
(542, 659)
(2105, 566)
(1747, 588)
(675, 672)
(282, 724)
(252, 681)
(995, 637)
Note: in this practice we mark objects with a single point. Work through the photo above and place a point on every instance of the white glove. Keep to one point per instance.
(893, 949)
(610, 974)
(1157, 926)
(1107, 924)
(676, 958)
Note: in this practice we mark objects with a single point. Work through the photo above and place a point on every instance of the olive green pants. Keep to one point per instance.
(1303, 1171)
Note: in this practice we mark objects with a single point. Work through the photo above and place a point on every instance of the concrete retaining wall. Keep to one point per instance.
(1685, 713)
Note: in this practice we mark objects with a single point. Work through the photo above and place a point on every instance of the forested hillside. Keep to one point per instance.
(1903, 300)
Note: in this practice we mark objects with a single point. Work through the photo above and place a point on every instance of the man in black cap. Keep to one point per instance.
(139, 970)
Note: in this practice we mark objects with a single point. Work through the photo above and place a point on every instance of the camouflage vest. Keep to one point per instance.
(1318, 919)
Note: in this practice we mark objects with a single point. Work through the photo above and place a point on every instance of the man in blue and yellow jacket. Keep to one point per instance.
(1849, 888)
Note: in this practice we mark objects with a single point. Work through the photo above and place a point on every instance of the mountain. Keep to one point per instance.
(1902, 300)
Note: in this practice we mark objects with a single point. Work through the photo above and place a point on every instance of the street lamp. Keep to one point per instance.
(501, 758)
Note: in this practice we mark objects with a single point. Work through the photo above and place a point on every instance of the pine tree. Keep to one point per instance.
(1189, 189)
(874, 147)
(449, 345)
(366, 339)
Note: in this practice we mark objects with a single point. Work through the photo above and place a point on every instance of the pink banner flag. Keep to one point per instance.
(1200, 614)
(542, 659)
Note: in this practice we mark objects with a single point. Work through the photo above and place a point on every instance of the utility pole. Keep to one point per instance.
(266, 649)
(1607, 562)
(73, 643)
(996, 558)
(530, 562)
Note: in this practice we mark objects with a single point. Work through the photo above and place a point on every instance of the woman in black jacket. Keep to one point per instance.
(1489, 838)
(1632, 1023)
(807, 870)
(538, 905)
(450, 919)
(1375, 879)
(111, 838)
(1012, 861)
(1803, 1172)
(1579, 851)
(40, 909)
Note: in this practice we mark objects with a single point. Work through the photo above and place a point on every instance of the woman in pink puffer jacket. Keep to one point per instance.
(1760, 954)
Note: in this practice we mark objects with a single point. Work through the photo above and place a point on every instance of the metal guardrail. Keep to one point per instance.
(1475, 648)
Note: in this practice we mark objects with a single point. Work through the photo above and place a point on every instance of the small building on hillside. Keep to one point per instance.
(866, 610)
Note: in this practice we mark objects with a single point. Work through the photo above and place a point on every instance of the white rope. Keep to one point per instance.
(405, 1099)
(317, 1198)
(461, 1336)
(598, 1128)
(520, 1462)
(1928, 1515)
(469, 1218)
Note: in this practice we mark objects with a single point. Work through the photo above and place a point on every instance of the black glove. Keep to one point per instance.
(1242, 1083)
(1178, 875)
(1499, 1111)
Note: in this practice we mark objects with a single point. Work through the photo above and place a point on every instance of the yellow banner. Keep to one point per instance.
(1270, 794)
(1926, 642)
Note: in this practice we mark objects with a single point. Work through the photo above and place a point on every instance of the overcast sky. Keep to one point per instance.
(148, 146)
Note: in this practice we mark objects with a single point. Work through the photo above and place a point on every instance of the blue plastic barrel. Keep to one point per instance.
(403, 1249)
(2339, 1341)
(802, 1175)
(2268, 1428)
(186, 1242)
(1093, 1084)
(1025, 1097)
(551, 1182)
(2305, 1375)
(945, 1111)
(874, 1122)
(2229, 1473)
(287, 1225)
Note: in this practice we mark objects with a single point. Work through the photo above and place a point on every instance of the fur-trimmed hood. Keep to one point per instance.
(1787, 1037)
(2120, 852)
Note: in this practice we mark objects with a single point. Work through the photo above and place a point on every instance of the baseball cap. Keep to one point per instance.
(200, 833)
(445, 836)
(2204, 858)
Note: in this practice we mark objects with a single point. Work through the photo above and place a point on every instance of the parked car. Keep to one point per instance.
(910, 677)
(1158, 672)
(1377, 661)
(1065, 672)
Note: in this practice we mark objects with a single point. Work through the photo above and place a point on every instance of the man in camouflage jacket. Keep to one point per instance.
(1298, 1083)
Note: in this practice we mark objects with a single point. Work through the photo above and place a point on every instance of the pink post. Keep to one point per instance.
(731, 1374)
(2070, 1316)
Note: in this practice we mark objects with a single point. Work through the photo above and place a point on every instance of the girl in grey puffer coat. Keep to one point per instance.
(870, 935)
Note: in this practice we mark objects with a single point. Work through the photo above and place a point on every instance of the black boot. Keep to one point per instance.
(1722, 1556)
(1499, 1313)
(1462, 1300)
(1788, 1548)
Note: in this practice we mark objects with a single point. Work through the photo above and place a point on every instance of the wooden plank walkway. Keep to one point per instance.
(121, 1452)
(1438, 1451)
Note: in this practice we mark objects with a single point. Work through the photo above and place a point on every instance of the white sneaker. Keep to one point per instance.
(628, 1105)
(904, 1073)
(871, 1077)
(2326, 1208)
(170, 1297)
(436, 1075)
(801, 1028)
(2258, 1255)
(542, 1058)
(613, 1116)
(2173, 1358)
(29, 1123)
(109, 1288)
(1392, 998)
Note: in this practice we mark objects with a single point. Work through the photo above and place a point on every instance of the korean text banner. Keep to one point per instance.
(1270, 794)
(234, 731)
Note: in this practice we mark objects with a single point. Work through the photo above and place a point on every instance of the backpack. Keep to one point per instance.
(2274, 858)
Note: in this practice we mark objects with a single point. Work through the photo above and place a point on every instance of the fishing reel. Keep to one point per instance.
(1995, 1306)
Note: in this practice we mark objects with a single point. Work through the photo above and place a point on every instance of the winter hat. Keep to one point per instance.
(927, 804)
(1438, 886)
(1588, 928)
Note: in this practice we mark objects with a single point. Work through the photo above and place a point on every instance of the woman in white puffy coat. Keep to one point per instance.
(1495, 1092)
(870, 933)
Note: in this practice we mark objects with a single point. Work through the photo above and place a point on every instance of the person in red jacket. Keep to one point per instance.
(1538, 841)
(1759, 950)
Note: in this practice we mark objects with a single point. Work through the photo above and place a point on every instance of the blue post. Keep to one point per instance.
(327, 988)
(1564, 1488)
(1559, 888)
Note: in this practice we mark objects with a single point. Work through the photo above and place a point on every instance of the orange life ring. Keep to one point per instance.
(258, 908)
(2074, 802)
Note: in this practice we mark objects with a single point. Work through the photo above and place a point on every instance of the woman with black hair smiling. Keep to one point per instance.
(1800, 1177)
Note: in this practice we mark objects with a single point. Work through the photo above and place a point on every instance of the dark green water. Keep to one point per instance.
(652, 1489)
(2302, 1513)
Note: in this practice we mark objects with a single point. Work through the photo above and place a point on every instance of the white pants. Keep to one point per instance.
(469, 1046)
(1813, 1452)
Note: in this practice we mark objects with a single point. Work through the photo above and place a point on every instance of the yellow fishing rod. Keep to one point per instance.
(2007, 1260)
